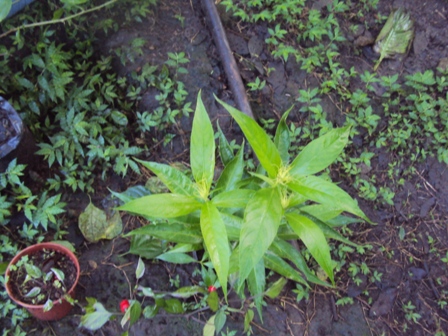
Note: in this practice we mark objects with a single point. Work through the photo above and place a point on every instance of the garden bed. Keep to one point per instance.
(393, 167)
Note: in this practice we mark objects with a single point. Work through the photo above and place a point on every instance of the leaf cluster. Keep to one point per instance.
(245, 219)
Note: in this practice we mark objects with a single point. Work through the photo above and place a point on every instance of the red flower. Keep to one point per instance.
(124, 305)
(211, 288)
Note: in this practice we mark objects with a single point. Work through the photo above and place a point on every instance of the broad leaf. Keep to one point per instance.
(256, 282)
(96, 316)
(233, 199)
(261, 220)
(202, 148)
(314, 239)
(162, 206)
(328, 193)
(261, 143)
(95, 225)
(176, 181)
(216, 241)
(320, 153)
(282, 139)
(173, 232)
(232, 173)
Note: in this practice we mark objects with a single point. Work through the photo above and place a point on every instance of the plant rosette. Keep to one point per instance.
(42, 278)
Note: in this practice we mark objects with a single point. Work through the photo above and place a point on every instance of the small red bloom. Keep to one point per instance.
(211, 288)
(124, 305)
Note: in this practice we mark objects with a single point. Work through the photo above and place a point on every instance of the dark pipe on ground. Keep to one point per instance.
(227, 59)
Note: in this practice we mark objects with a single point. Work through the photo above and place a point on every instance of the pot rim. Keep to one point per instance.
(30, 250)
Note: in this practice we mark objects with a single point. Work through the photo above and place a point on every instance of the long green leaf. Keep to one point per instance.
(174, 232)
(256, 282)
(282, 139)
(320, 153)
(286, 251)
(202, 148)
(314, 240)
(322, 212)
(176, 181)
(176, 258)
(261, 221)
(216, 241)
(233, 199)
(232, 173)
(5, 7)
(162, 205)
(321, 191)
(278, 265)
(233, 226)
(261, 143)
(224, 148)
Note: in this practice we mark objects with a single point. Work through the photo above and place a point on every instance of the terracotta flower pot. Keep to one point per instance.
(60, 307)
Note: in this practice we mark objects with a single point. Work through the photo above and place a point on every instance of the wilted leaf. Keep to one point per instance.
(395, 37)
(95, 225)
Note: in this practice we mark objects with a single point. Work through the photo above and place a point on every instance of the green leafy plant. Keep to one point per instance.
(243, 221)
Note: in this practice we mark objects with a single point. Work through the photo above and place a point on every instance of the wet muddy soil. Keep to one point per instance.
(408, 237)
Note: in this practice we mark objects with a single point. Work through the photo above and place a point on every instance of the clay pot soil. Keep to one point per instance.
(64, 260)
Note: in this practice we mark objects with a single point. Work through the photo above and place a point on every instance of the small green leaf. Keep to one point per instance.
(48, 305)
(35, 291)
(248, 319)
(187, 292)
(314, 240)
(213, 301)
(282, 139)
(220, 320)
(173, 306)
(33, 271)
(150, 311)
(176, 258)
(209, 327)
(59, 274)
(225, 150)
(275, 289)
(96, 315)
(202, 148)
(140, 270)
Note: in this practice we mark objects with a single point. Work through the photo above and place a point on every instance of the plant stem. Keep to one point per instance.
(63, 20)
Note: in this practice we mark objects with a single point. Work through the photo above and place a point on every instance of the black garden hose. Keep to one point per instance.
(227, 59)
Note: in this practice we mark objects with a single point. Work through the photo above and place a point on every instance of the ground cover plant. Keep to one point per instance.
(84, 105)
